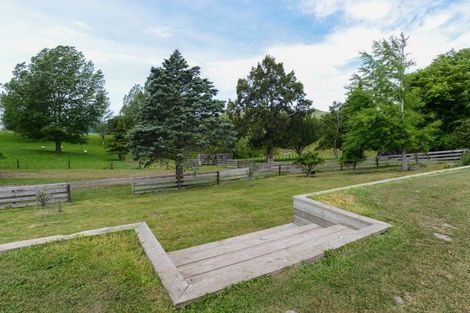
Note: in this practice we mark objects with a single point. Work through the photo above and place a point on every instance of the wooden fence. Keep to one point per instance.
(22, 196)
(169, 182)
(433, 156)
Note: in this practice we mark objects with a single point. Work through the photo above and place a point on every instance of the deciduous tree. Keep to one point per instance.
(58, 96)
(266, 102)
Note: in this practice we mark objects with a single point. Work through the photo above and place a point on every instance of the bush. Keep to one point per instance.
(466, 159)
(352, 157)
(309, 160)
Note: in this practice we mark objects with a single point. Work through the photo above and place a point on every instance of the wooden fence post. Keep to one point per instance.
(132, 185)
(218, 178)
(69, 194)
(279, 170)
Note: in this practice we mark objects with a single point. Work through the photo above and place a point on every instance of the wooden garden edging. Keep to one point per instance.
(22, 196)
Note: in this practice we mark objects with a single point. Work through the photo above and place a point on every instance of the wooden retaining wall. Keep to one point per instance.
(22, 196)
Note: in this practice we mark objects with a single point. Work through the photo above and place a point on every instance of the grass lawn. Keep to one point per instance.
(111, 273)
(42, 155)
(44, 165)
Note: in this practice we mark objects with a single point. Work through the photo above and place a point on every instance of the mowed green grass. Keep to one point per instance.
(42, 155)
(88, 161)
(111, 274)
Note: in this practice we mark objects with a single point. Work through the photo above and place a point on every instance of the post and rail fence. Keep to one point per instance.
(23, 196)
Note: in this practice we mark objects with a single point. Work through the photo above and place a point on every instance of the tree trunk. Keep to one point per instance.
(179, 172)
(270, 156)
(404, 164)
(58, 147)
(335, 149)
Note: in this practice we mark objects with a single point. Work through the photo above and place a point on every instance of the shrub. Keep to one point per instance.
(43, 198)
(352, 157)
(308, 160)
(466, 159)
(252, 169)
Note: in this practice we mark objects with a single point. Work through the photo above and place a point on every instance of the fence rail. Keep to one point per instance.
(22, 196)
(169, 182)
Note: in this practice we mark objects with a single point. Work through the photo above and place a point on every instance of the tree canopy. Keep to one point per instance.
(58, 96)
(444, 87)
(267, 100)
(132, 104)
(179, 114)
(389, 118)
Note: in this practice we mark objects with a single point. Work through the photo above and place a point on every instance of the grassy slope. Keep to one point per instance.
(93, 274)
(32, 155)
(39, 165)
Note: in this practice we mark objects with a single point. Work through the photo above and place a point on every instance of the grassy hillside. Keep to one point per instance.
(39, 163)
(41, 154)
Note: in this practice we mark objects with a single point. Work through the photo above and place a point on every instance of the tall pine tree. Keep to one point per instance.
(179, 115)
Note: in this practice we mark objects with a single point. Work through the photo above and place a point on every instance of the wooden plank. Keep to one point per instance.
(221, 278)
(238, 243)
(301, 221)
(233, 257)
(34, 187)
(32, 192)
(329, 213)
(39, 241)
(165, 269)
(32, 198)
(300, 214)
(179, 256)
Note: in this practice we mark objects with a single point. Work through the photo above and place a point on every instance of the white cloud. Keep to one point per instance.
(325, 67)
(160, 31)
(82, 25)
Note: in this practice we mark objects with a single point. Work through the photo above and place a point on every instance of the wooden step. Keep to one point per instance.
(312, 234)
(220, 278)
(214, 249)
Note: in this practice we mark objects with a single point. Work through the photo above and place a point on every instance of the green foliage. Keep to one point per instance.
(333, 128)
(132, 104)
(389, 118)
(309, 160)
(223, 138)
(444, 89)
(118, 143)
(179, 114)
(266, 102)
(466, 159)
(303, 131)
(58, 96)
(351, 156)
(243, 150)
(460, 137)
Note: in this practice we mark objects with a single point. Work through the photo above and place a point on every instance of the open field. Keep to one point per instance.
(111, 273)
(38, 165)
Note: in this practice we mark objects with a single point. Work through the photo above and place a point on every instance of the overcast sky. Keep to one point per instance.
(319, 40)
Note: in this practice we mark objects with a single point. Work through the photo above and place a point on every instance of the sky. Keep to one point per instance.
(319, 40)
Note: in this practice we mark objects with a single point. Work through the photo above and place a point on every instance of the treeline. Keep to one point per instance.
(59, 96)
(389, 108)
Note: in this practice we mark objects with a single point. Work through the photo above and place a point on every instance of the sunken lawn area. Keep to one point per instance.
(111, 273)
